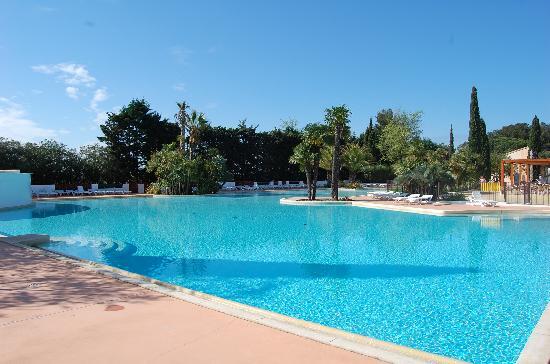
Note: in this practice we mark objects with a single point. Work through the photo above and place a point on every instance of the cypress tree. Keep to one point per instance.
(368, 135)
(370, 140)
(535, 139)
(485, 154)
(474, 137)
(535, 143)
(451, 142)
(478, 142)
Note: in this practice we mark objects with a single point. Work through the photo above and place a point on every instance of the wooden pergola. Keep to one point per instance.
(520, 162)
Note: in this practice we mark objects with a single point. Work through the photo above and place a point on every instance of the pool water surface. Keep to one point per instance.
(471, 288)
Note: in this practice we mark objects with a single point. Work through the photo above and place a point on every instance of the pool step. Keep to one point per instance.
(26, 239)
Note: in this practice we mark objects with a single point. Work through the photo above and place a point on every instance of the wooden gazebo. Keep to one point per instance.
(524, 164)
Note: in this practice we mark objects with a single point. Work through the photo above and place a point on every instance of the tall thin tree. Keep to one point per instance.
(451, 142)
(474, 136)
(478, 141)
(535, 143)
(182, 117)
(337, 117)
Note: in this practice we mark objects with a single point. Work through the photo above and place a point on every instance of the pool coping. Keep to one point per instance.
(535, 210)
(374, 348)
(537, 347)
(443, 212)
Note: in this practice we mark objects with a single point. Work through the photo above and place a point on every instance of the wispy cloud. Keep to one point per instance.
(44, 9)
(15, 124)
(72, 92)
(100, 95)
(179, 87)
(212, 50)
(71, 74)
(181, 54)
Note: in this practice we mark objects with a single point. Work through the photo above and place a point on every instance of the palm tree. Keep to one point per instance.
(303, 157)
(337, 117)
(326, 161)
(195, 123)
(355, 159)
(307, 155)
(182, 118)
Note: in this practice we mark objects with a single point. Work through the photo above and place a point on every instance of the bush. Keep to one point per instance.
(352, 185)
(177, 174)
(453, 196)
(379, 173)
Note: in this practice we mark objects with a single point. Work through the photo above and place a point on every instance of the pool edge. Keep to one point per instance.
(537, 347)
(360, 344)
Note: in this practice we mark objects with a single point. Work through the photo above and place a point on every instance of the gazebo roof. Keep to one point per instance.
(535, 162)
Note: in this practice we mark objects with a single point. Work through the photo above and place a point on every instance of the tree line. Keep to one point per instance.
(391, 147)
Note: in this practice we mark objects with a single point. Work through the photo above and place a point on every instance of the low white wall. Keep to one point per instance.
(15, 189)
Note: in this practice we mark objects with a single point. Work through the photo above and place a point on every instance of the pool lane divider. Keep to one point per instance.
(374, 348)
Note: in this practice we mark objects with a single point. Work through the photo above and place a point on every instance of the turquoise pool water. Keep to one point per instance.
(469, 288)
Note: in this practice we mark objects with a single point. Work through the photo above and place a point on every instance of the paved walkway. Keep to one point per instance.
(54, 312)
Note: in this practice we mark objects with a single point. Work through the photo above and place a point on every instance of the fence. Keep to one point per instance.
(490, 186)
(523, 193)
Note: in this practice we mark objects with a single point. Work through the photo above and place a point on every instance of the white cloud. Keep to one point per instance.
(15, 125)
(70, 73)
(100, 117)
(37, 91)
(100, 95)
(179, 87)
(181, 54)
(72, 92)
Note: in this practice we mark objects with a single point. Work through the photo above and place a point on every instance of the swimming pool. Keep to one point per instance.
(469, 288)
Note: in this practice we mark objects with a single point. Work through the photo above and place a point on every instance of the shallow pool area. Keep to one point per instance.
(471, 288)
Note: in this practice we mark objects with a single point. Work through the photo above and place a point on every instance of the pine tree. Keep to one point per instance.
(535, 140)
(451, 142)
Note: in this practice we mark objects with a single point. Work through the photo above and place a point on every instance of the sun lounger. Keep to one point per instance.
(229, 186)
(420, 200)
(477, 200)
(44, 190)
(425, 199)
(405, 197)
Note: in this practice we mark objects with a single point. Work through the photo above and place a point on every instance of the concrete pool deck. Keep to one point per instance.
(53, 311)
(450, 209)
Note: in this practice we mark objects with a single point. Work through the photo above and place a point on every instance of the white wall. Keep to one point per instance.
(15, 189)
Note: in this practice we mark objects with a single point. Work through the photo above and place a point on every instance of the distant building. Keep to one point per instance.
(521, 153)
(523, 171)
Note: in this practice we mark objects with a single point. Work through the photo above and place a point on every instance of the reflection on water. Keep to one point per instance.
(489, 221)
(42, 210)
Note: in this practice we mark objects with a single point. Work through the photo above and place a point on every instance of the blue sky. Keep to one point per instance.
(63, 64)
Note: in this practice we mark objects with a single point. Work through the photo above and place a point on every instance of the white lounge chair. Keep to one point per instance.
(81, 191)
(426, 199)
(477, 200)
(229, 186)
(43, 190)
(420, 199)
(405, 198)
(95, 189)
